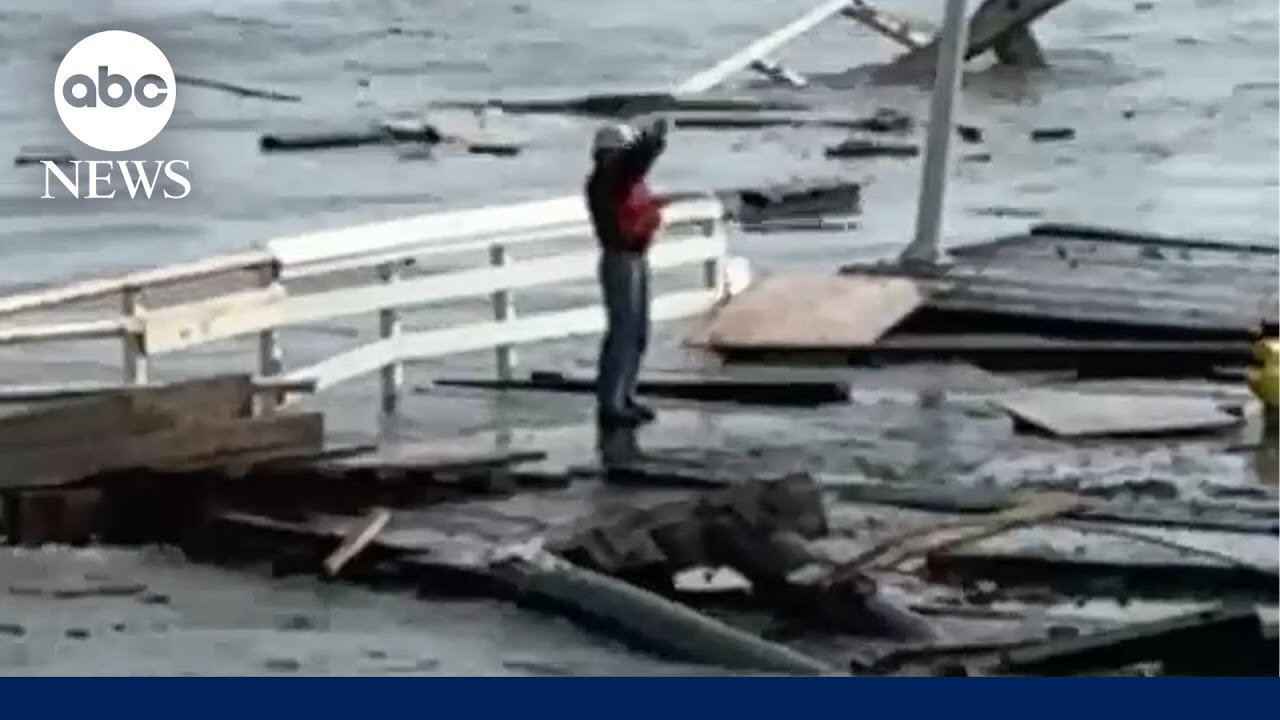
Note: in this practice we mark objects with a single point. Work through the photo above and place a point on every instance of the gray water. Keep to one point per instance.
(1175, 110)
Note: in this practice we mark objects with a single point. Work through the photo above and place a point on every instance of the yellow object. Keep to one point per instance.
(1263, 374)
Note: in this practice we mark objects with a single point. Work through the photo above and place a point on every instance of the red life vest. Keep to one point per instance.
(639, 215)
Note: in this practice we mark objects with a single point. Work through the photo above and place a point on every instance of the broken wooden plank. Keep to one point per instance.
(761, 48)
(1066, 414)
(1145, 239)
(198, 438)
(1010, 352)
(409, 456)
(357, 540)
(953, 499)
(699, 387)
(1222, 641)
(1029, 510)
(911, 34)
(1093, 561)
(989, 26)
(127, 410)
(535, 578)
(810, 312)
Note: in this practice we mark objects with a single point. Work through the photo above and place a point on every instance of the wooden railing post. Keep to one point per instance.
(504, 310)
(270, 354)
(392, 374)
(134, 355)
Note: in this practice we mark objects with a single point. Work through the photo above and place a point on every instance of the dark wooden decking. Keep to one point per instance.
(1097, 284)
(1096, 300)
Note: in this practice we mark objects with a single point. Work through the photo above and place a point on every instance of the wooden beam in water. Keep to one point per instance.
(910, 33)
(776, 72)
(761, 48)
(994, 24)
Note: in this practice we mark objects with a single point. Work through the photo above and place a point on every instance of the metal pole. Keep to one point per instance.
(952, 45)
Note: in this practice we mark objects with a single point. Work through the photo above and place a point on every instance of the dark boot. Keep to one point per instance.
(643, 412)
(613, 419)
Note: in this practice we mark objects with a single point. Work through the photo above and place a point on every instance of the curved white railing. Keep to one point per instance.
(694, 232)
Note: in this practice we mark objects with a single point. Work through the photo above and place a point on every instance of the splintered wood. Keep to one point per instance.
(811, 312)
(197, 420)
(357, 539)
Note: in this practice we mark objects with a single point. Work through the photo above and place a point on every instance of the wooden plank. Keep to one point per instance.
(357, 539)
(127, 411)
(68, 462)
(912, 34)
(69, 391)
(981, 499)
(760, 49)
(811, 312)
(1126, 358)
(1107, 560)
(990, 24)
(175, 328)
(1076, 415)
(703, 387)
(1232, 633)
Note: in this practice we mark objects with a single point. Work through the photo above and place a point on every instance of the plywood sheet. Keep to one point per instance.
(811, 312)
(1080, 415)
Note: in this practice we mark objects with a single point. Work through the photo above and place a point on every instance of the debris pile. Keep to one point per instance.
(605, 546)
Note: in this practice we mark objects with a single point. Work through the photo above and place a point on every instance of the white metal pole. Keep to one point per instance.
(952, 46)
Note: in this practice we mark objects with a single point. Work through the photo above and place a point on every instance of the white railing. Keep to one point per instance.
(694, 233)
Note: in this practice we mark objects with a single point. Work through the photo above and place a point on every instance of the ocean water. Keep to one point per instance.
(1175, 109)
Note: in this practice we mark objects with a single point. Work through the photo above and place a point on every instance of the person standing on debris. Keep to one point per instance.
(626, 216)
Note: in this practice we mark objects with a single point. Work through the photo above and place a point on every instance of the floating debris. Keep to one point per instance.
(708, 388)
(34, 155)
(1052, 134)
(235, 89)
(859, 148)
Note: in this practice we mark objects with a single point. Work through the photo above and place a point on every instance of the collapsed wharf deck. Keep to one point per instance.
(778, 494)
(1100, 300)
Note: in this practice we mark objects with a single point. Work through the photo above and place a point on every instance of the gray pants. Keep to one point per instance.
(624, 282)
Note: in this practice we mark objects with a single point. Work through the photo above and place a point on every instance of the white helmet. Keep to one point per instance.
(613, 136)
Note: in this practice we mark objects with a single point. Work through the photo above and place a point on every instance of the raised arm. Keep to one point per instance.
(636, 159)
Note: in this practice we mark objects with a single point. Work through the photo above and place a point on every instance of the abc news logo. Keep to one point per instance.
(101, 90)
(115, 92)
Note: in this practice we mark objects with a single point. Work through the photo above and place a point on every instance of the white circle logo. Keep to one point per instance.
(114, 91)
